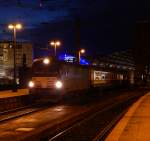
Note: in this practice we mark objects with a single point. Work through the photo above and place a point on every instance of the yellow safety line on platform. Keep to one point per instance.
(119, 128)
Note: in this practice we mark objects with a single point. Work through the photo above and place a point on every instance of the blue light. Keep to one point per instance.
(71, 58)
(84, 61)
(67, 58)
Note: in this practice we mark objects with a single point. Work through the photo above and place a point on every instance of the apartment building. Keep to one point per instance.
(24, 56)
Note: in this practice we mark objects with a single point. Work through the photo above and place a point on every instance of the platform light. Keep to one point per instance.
(31, 84)
(55, 44)
(58, 84)
(14, 27)
(18, 26)
(81, 51)
(46, 61)
(10, 26)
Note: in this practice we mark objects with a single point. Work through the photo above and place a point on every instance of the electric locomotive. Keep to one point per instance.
(55, 79)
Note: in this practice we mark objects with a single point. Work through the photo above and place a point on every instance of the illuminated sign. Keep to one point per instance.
(67, 58)
(100, 75)
(72, 59)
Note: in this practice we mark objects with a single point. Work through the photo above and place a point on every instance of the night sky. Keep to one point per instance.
(105, 25)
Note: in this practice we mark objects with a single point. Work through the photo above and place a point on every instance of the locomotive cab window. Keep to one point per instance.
(40, 68)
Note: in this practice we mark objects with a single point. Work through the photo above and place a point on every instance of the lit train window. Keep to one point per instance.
(103, 77)
(121, 77)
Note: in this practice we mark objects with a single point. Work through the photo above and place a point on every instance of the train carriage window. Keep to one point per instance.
(121, 76)
(103, 77)
(114, 76)
(106, 77)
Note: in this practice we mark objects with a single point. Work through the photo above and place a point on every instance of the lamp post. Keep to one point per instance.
(55, 44)
(14, 27)
(81, 51)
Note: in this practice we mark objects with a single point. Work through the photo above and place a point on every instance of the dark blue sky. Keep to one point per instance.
(106, 25)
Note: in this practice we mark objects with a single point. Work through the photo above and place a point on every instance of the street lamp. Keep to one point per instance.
(81, 51)
(55, 44)
(14, 27)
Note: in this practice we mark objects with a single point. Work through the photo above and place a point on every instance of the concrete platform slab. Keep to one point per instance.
(9, 93)
(11, 100)
(135, 125)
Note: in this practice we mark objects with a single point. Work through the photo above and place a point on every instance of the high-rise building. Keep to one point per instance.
(24, 57)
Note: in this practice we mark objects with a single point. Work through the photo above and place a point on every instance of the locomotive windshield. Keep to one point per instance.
(41, 69)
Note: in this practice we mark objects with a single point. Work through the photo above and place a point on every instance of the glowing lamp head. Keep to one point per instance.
(31, 84)
(58, 84)
(46, 61)
(10, 26)
(58, 43)
(52, 43)
(18, 26)
(82, 50)
(15, 26)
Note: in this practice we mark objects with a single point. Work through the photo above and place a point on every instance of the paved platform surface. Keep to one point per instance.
(9, 93)
(135, 125)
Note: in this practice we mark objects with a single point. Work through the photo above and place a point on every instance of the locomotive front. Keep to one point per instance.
(45, 76)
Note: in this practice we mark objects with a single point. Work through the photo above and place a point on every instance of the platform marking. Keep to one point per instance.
(119, 128)
(25, 129)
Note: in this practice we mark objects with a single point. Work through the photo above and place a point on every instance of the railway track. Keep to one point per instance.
(99, 120)
(18, 112)
(29, 109)
(96, 126)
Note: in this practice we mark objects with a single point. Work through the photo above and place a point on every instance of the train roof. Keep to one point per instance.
(81, 66)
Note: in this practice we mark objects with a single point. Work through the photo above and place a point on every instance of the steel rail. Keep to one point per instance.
(102, 134)
(62, 133)
(22, 111)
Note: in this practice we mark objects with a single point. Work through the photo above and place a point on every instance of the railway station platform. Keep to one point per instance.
(135, 124)
(12, 100)
(9, 93)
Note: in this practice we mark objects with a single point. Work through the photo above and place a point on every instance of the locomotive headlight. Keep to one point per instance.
(46, 61)
(58, 84)
(31, 84)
